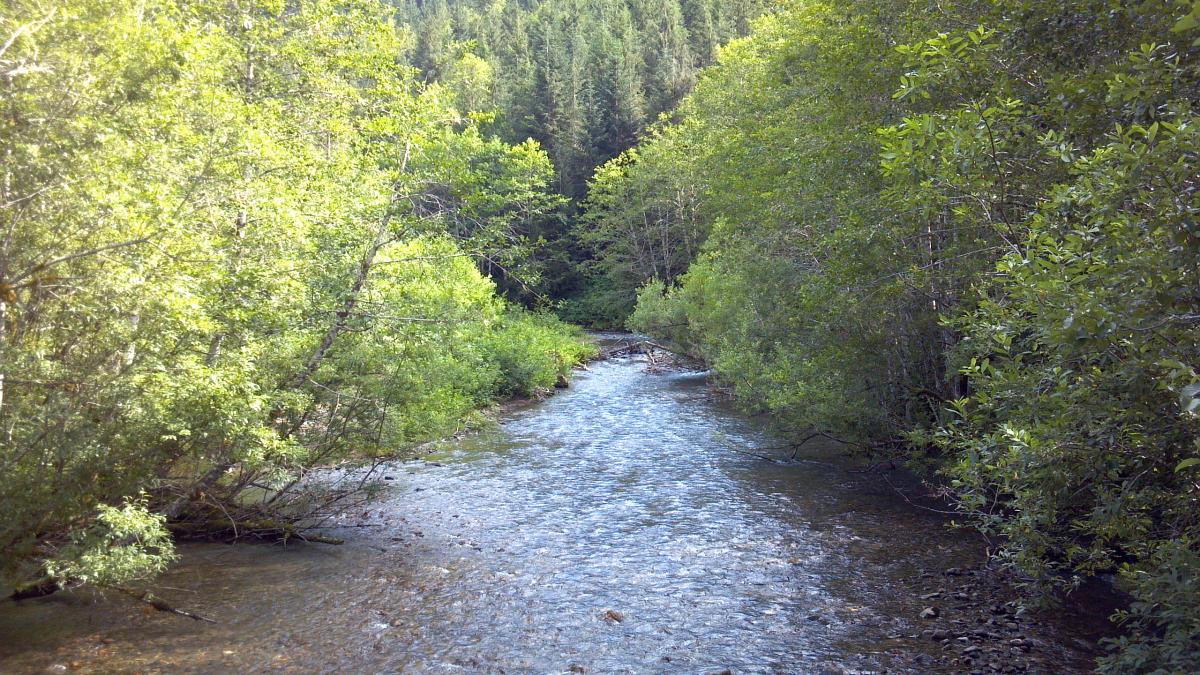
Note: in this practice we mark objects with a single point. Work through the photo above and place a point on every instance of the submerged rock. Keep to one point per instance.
(612, 616)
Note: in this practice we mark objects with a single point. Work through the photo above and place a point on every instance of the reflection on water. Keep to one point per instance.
(507, 552)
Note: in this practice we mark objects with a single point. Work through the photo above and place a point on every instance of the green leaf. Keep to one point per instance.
(1186, 23)
(1187, 463)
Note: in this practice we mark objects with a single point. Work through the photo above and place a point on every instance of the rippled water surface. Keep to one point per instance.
(611, 528)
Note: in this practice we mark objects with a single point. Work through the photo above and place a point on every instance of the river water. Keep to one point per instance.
(612, 528)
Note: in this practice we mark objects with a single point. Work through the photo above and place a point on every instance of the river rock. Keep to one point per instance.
(612, 616)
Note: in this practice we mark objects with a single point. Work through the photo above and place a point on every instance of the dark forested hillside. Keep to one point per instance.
(582, 77)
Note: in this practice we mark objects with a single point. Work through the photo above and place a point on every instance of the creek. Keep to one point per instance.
(618, 526)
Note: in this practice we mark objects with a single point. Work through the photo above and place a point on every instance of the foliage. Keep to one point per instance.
(531, 353)
(641, 221)
(121, 545)
(585, 80)
(1074, 443)
(582, 78)
(1163, 619)
(777, 157)
(240, 240)
(660, 312)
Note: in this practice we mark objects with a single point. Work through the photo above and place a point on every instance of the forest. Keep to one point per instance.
(582, 78)
(247, 239)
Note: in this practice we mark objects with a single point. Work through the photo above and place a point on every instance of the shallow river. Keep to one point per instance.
(611, 528)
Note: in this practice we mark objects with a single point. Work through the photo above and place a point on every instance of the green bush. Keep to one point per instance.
(121, 545)
(532, 351)
(1077, 442)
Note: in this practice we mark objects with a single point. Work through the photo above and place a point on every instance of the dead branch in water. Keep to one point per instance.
(36, 589)
(148, 598)
(47, 586)
(659, 356)
(751, 454)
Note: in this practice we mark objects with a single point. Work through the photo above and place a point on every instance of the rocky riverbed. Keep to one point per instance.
(628, 525)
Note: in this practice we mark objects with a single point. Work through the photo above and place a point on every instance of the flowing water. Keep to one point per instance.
(615, 527)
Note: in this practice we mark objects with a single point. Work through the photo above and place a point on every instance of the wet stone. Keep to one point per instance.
(613, 616)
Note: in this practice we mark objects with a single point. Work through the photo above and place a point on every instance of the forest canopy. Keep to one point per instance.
(583, 78)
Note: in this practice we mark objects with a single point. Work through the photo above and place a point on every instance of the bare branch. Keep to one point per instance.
(82, 254)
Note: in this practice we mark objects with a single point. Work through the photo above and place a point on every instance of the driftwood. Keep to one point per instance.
(161, 605)
(636, 347)
(619, 350)
(659, 356)
(49, 586)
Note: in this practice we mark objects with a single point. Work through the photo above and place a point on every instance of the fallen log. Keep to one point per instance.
(641, 347)
(36, 589)
(264, 529)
